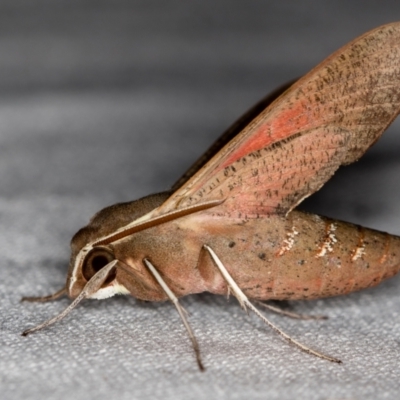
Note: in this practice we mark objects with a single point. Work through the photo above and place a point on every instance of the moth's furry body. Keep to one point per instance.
(301, 256)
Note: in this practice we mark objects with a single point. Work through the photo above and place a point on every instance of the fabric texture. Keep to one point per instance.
(104, 102)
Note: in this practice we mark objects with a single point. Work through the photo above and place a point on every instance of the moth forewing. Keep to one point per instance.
(328, 118)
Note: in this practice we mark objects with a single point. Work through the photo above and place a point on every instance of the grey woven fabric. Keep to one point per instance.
(108, 101)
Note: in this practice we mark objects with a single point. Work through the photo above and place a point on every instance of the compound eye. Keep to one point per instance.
(95, 261)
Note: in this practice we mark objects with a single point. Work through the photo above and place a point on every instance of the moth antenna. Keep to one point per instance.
(51, 297)
(90, 288)
(290, 313)
(138, 226)
(180, 309)
(242, 298)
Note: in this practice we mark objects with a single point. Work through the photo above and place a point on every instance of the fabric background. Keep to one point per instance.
(106, 101)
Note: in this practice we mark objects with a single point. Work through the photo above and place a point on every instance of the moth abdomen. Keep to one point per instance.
(344, 258)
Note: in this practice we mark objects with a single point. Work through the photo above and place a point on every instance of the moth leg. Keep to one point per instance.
(91, 287)
(50, 297)
(244, 302)
(290, 313)
(180, 309)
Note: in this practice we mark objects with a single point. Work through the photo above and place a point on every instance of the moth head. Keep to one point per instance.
(88, 257)
(95, 260)
(85, 265)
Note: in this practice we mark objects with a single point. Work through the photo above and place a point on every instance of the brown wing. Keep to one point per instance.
(328, 118)
(231, 132)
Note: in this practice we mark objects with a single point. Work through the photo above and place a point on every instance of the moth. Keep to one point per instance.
(229, 225)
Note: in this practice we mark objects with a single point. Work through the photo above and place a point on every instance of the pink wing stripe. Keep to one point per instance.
(271, 132)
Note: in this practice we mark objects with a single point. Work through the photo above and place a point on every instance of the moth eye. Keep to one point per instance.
(95, 261)
(98, 262)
